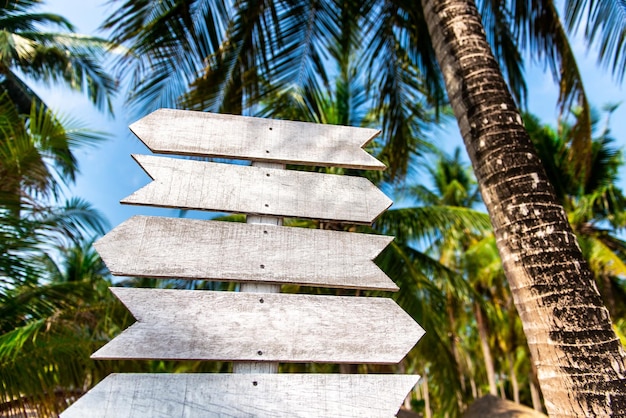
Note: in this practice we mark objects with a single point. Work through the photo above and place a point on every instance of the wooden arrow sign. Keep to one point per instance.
(232, 326)
(183, 248)
(189, 184)
(187, 132)
(253, 395)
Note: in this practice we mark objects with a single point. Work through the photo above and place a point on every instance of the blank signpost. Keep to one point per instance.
(257, 327)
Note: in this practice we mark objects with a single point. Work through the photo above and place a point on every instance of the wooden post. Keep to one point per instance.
(260, 366)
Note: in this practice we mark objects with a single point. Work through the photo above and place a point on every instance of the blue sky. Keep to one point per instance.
(108, 173)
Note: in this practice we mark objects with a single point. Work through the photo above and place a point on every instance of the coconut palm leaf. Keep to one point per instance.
(277, 41)
(30, 235)
(37, 152)
(69, 58)
(497, 18)
(604, 25)
(428, 222)
(541, 30)
(166, 45)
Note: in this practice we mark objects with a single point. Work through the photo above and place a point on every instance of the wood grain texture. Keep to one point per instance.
(187, 132)
(206, 325)
(189, 184)
(252, 395)
(162, 247)
(260, 287)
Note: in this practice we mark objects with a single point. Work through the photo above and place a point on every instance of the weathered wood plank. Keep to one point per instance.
(248, 367)
(193, 249)
(253, 395)
(187, 132)
(202, 185)
(205, 325)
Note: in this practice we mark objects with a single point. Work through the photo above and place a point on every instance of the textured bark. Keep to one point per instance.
(580, 361)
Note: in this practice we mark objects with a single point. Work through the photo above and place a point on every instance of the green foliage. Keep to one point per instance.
(229, 56)
(26, 49)
(53, 287)
(55, 308)
(605, 26)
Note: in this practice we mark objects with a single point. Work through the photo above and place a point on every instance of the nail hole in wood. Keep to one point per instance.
(261, 300)
(255, 383)
(259, 352)
(262, 266)
(267, 151)
(270, 128)
(267, 206)
(268, 174)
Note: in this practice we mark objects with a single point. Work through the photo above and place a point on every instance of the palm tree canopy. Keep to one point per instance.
(27, 50)
(226, 56)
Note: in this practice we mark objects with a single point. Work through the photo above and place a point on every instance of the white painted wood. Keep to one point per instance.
(233, 395)
(187, 132)
(206, 325)
(202, 185)
(148, 246)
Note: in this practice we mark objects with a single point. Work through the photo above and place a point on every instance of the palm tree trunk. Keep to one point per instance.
(427, 411)
(513, 377)
(580, 362)
(484, 345)
(470, 368)
(534, 394)
(455, 350)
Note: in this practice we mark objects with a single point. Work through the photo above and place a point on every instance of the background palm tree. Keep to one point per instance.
(28, 50)
(51, 282)
(431, 237)
(54, 303)
(556, 316)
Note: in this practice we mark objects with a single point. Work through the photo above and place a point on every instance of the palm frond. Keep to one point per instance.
(400, 93)
(540, 30)
(75, 220)
(605, 26)
(605, 257)
(168, 43)
(270, 47)
(58, 57)
(429, 222)
(496, 20)
(72, 59)
(413, 35)
(16, 16)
